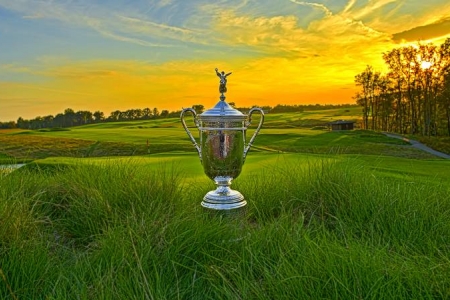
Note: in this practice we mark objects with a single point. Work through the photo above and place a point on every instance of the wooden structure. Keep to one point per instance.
(341, 125)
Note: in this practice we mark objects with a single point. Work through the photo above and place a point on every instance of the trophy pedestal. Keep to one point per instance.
(223, 198)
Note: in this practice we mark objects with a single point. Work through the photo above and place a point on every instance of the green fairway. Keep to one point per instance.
(259, 162)
(144, 137)
(169, 130)
(308, 119)
(281, 133)
(119, 132)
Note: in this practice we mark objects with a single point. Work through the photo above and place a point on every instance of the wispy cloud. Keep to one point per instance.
(35, 16)
(211, 24)
(110, 23)
(349, 5)
(315, 5)
(124, 38)
(163, 3)
(144, 27)
(280, 34)
(371, 8)
(15, 68)
(52, 90)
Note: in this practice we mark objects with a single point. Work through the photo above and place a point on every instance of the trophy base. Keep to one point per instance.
(223, 199)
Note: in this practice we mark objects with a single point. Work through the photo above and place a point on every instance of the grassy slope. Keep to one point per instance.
(168, 141)
(316, 227)
(290, 132)
(367, 225)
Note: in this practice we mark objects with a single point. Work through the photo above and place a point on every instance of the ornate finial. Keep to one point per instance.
(223, 83)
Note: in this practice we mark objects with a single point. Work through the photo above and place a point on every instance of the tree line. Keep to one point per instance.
(70, 118)
(413, 97)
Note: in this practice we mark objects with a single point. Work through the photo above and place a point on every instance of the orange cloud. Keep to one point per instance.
(425, 32)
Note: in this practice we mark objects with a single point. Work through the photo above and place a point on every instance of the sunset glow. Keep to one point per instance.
(425, 65)
(89, 55)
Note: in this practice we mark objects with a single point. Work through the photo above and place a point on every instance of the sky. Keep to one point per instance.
(112, 55)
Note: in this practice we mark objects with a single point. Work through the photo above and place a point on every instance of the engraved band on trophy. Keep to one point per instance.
(222, 148)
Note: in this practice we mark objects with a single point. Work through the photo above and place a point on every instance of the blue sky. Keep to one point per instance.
(108, 55)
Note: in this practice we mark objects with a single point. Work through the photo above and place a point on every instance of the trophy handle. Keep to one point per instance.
(187, 130)
(261, 121)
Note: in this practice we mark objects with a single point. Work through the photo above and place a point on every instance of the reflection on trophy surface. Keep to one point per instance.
(223, 147)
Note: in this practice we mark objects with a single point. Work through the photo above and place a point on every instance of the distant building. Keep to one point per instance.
(341, 125)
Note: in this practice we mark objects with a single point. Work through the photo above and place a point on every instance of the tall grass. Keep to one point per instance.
(319, 229)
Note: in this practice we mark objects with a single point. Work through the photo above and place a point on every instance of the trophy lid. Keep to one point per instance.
(222, 110)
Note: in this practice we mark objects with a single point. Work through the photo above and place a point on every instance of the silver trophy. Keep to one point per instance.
(222, 148)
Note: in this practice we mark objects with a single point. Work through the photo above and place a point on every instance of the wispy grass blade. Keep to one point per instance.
(322, 228)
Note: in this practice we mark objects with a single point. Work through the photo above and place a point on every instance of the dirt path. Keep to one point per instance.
(418, 145)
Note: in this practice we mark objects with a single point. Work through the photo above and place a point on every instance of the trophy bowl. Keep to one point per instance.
(222, 148)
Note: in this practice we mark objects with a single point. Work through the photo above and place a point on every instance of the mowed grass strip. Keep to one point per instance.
(309, 119)
(83, 142)
(34, 145)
